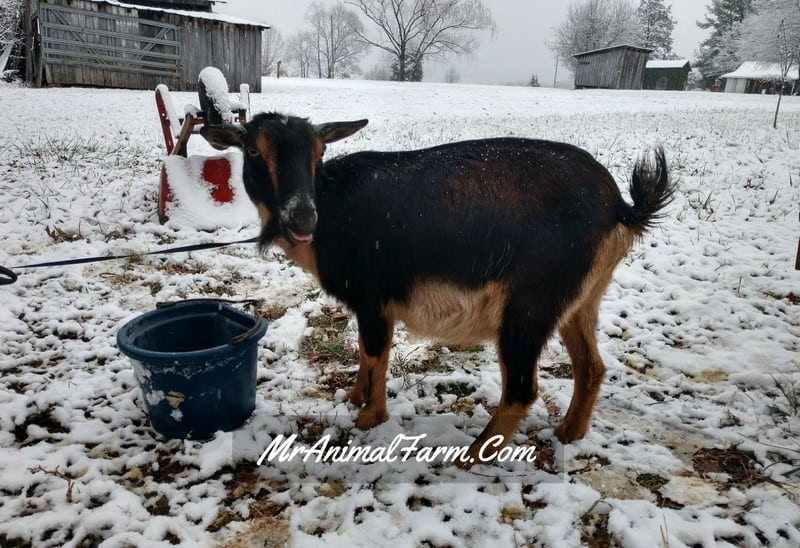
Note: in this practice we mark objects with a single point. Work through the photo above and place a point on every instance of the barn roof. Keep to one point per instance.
(754, 70)
(186, 13)
(667, 63)
(609, 48)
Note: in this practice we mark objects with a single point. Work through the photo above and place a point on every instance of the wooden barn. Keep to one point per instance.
(105, 43)
(667, 74)
(615, 67)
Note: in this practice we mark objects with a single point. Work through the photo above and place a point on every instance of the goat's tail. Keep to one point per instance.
(651, 190)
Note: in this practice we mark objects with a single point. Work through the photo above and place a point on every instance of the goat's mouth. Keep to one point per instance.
(299, 239)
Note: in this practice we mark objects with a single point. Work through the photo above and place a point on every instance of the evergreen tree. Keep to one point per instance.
(718, 53)
(771, 33)
(655, 27)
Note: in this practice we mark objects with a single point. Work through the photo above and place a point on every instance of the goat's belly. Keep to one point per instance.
(452, 314)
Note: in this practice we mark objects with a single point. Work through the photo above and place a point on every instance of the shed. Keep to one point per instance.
(106, 43)
(755, 77)
(615, 67)
(667, 74)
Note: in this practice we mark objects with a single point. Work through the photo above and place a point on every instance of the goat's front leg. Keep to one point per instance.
(374, 344)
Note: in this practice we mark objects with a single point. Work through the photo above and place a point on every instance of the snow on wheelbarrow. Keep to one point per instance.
(203, 191)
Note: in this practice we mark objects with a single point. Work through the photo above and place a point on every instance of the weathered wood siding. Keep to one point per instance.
(103, 45)
(614, 68)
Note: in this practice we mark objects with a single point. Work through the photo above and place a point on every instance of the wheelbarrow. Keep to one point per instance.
(216, 107)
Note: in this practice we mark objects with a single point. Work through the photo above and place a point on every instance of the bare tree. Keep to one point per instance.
(593, 24)
(413, 30)
(272, 49)
(336, 30)
(10, 15)
(771, 33)
(452, 76)
(300, 49)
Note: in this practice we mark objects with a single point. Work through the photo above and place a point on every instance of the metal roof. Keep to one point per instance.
(609, 48)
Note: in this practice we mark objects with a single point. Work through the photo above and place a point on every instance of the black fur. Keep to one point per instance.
(529, 214)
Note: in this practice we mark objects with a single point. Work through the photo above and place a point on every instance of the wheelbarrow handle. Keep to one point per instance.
(7, 276)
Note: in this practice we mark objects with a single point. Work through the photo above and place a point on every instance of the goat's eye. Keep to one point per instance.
(252, 151)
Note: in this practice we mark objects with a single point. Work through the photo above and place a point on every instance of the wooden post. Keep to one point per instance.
(797, 260)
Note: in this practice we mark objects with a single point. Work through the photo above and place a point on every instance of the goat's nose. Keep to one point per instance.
(303, 218)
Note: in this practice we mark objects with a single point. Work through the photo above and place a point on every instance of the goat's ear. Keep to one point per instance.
(224, 136)
(334, 131)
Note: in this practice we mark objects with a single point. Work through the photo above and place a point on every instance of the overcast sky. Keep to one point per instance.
(517, 51)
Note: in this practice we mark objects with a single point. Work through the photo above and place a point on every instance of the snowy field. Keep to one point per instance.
(695, 440)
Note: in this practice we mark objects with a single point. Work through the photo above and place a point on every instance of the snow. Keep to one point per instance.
(193, 204)
(217, 91)
(700, 331)
(667, 63)
(625, 46)
(754, 70)
(223, 18)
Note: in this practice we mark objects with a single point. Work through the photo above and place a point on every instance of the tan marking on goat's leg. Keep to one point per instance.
(577, 330)
(359, 394)
(504, 423)
(578, 335)
(370, 386)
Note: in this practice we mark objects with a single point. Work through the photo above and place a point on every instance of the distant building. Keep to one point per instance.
(137, 44)
(755, 77)
(615, 67)
(667, 74)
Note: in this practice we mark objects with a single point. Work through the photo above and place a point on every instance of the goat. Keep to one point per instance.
(503, 239)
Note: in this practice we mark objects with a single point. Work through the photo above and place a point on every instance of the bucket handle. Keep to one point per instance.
(236, 339)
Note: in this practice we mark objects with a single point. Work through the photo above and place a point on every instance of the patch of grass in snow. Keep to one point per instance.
(272, 311)
(789, 387)
(594, 531)
(738, 465)
(414, 369)
(328, 340)
(44, 152)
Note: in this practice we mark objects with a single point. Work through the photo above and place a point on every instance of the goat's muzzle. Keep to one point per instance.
(299, 222)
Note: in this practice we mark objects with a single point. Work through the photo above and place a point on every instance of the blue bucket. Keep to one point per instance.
(195, 361)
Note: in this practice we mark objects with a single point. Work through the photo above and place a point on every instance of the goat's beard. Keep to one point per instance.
(269, 232)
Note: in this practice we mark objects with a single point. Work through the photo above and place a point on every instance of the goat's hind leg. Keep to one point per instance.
(577, 330)
(578, 335)
(521, 340)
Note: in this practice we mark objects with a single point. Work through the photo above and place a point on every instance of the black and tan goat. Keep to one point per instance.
(498, 239)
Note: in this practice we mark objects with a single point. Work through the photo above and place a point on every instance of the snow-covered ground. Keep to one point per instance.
(695, 439)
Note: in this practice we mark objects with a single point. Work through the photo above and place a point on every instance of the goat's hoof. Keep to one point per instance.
(468, 463)
(368, 418)
(567, 433)
(472, 457)
(356, 396)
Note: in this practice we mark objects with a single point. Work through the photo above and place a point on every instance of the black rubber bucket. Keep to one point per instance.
(195, 361)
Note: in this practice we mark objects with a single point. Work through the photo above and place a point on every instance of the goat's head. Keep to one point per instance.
(281, 157)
